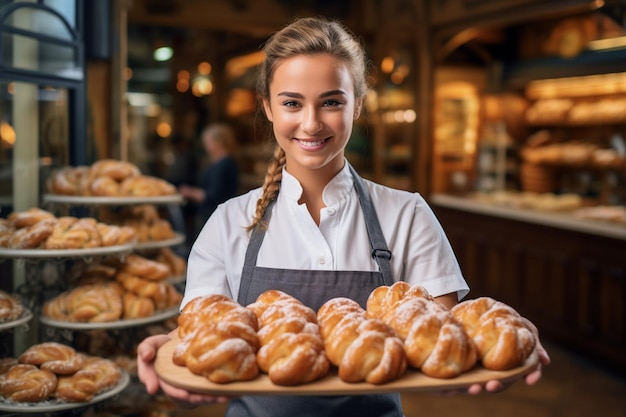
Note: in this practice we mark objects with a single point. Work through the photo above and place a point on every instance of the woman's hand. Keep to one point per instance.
(146, 354)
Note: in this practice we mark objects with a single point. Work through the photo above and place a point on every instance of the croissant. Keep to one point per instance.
(292, 349)
(503, 339)
(363, 349)
(54, 357)
(27, 383)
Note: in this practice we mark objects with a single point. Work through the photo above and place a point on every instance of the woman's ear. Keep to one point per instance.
(268, 110)
(358, 105)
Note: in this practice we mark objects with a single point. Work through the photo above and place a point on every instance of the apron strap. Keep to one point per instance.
(380, 250)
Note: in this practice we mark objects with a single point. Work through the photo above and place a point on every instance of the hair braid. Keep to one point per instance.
(271, 187)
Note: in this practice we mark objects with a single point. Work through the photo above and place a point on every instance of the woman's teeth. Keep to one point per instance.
(311, 144)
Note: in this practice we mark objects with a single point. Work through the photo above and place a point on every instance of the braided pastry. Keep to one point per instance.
(213, 308)
(54, 357)
(162, 293)
(434, 341)
(363, 349)
(114, 169)
(146, 186)
(68, 181)
(11, 307)
(145, 268)
(104, 187)
(292, 349)
(95, 376)
(33, 236)
(92, 303)
(27, 383)
(19, 219)
(112, 235)
(6, 364)
(502, 338)
(6, 232)
(74, 233)
(222, 352)
(219, 339)
(176, 263)
(136, 306)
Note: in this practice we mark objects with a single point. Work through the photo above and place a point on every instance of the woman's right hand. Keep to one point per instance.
(146, 354)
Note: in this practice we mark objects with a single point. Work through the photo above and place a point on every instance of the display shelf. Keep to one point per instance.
(158, 244)
(26, 316)
(112, 201)
(54, 406)
(66, 253)
(111, 325)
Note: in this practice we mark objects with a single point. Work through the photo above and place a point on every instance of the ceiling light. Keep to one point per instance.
(163, 53)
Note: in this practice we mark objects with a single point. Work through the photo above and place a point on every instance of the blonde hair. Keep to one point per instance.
(223, 134)
(305, 36)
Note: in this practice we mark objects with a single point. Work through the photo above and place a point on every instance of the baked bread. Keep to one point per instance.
(68, 180)
(55, 357)
(33, 236)
(92, 303)
(176, 263)
(213, 308)
(145, 268)
(146, 186)
(434, 341)
(503, 339)
(6, 364)
(136, 307)
(19, 219)
(6, 232)
(222, 352)
(27, 383)
(74, 233)
(114, 169)
(96, 375)
(219, 339)
(363, 349)
(112, 235)
(292, 349)
(11, 307)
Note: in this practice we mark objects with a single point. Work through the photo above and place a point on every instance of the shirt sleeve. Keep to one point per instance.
(430, 260)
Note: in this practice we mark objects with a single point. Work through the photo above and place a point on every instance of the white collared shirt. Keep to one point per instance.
(421, 253)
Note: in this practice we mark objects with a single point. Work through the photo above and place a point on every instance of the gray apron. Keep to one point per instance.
(314, 288)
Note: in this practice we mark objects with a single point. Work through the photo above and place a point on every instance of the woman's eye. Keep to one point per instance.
(290, 103)
(331, 103)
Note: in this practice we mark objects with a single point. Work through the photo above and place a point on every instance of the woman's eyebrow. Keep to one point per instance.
(325, 94)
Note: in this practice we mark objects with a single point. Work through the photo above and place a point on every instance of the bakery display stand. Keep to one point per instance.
(46, 276)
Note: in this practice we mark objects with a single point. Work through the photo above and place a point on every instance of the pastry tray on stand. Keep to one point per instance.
(26, 316)
(65, 253)
(56, 406)
(112, 201)
(110, 325)
(411, 381)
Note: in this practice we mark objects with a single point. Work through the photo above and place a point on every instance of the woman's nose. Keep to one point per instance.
(311, 122)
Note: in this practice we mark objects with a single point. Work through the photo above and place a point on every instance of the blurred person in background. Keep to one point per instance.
(220, 180)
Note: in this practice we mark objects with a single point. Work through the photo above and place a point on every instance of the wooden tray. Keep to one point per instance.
(181, 377)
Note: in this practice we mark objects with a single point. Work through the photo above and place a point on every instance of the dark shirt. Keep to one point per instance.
(220, 181)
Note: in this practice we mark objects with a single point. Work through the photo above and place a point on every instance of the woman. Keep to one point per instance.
(315, 224)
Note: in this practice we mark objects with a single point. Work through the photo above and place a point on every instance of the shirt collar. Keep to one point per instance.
(336, 190)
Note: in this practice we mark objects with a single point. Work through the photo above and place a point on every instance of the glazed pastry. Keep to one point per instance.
(503, 339)
(363, 349)
(27, 383)
(292, 349)
(55, 357)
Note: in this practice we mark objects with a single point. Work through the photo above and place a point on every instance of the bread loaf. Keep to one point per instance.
(95, 376)
(363, 349)
(292, 349)
(11, 307)
(503, 339)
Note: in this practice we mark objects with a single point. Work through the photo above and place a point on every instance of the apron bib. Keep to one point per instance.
(314, 288)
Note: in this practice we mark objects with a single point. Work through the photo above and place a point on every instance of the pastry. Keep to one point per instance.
(27, 383)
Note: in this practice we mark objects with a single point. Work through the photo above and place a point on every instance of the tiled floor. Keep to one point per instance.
(571, 387)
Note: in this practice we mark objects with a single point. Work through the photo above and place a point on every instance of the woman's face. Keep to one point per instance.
(312, 107)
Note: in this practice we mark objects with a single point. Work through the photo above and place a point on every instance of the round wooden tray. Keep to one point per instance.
(181, 377)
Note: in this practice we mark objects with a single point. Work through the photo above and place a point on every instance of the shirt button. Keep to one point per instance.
(331, 211)
(321, 260)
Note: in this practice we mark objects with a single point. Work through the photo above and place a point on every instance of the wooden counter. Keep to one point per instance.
(567, 275)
